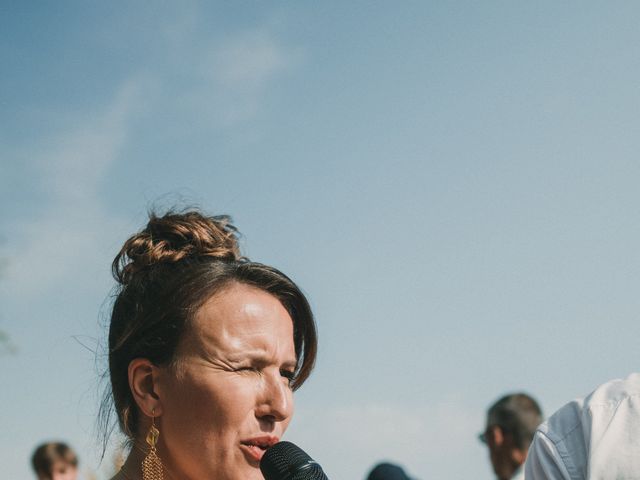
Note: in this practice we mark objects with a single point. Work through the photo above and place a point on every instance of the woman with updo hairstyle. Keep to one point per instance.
(205, 350)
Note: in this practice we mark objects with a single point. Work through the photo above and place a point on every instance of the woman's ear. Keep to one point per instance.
(143, 375)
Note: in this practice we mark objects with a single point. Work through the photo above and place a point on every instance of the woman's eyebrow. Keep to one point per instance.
(292, 364)
(261, 358)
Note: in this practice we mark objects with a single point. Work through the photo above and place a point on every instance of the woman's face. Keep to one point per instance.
(60, 470)
(228, 397)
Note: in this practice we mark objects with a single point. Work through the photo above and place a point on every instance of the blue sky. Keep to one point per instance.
(454, 185)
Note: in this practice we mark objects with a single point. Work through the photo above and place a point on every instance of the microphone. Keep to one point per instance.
(286, 461)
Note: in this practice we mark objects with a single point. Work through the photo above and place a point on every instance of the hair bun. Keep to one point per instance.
(173, 237)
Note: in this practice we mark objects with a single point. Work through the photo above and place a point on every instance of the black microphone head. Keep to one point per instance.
(286, 461)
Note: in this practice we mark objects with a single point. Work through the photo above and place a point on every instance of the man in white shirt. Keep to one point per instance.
(511, 424)
(597, 437)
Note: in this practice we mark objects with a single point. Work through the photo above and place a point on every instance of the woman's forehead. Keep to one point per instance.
(241, 305)
(241, 316)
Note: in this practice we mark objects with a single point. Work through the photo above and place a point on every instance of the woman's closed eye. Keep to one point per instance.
(288, 374)
(249, 370)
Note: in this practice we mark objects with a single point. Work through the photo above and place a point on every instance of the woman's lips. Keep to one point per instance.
(254, 453)
(255, 447)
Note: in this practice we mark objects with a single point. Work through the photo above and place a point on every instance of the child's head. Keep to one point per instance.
(55, 461)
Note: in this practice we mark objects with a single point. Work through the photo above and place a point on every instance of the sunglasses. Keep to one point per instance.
(484, 436)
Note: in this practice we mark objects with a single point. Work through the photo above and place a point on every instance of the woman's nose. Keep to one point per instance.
(277, 402)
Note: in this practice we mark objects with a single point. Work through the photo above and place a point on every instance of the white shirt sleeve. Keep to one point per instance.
(543, 461)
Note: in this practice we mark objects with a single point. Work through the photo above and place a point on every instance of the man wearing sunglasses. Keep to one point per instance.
(511, 425)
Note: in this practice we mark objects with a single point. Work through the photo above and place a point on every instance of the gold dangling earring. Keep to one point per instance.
(151, 465)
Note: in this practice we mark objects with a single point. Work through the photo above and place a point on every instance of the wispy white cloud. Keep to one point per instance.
(75, 161)
(60, 241)
(249, 61)
(349, 440)
(232, 75)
